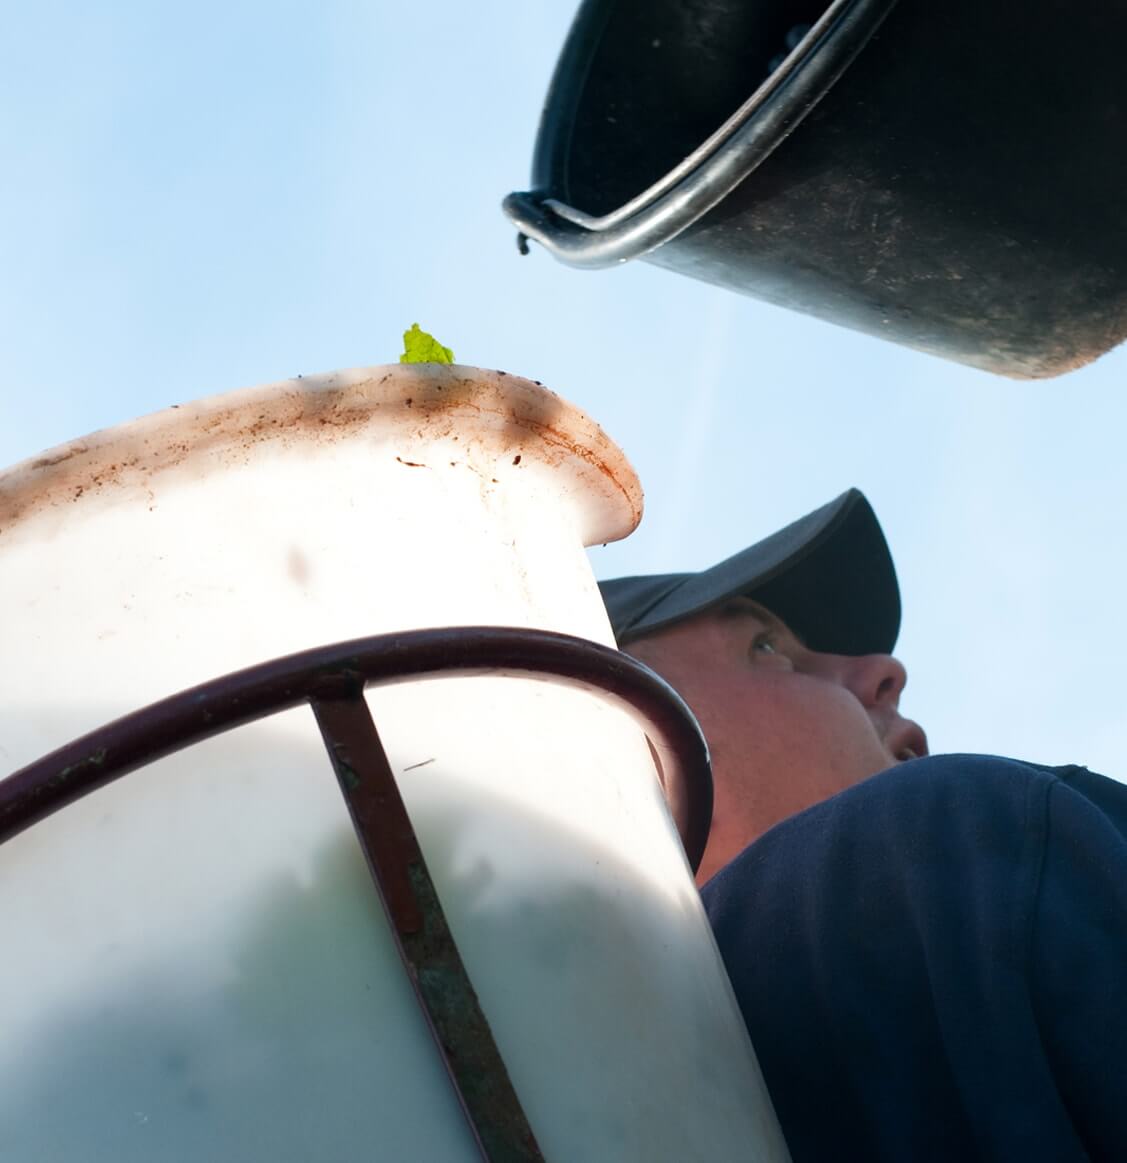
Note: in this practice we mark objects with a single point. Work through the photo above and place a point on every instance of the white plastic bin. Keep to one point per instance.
(195, 965)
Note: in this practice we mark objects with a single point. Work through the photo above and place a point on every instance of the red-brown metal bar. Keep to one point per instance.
(332, 680)
(434, 965)
(98, 758)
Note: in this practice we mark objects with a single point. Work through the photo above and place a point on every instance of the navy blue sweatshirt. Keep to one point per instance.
(933, 964)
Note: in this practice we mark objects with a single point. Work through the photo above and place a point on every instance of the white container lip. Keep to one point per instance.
(507, 415)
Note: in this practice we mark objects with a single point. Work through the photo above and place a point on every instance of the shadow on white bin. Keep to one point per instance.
(195, 965)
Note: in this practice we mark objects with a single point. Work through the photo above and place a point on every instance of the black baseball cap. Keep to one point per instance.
(828, 575)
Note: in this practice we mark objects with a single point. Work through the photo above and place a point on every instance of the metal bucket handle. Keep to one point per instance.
(717, 166)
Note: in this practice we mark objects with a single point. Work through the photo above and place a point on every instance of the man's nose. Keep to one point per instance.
(876, 680)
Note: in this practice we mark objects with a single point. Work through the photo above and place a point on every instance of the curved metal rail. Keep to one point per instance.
(331, 679)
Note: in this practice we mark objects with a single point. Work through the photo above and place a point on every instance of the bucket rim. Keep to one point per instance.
(518, 422)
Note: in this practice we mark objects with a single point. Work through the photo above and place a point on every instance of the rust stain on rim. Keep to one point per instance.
(514, 417)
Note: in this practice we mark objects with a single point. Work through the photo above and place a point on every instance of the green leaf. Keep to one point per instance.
(419, 347)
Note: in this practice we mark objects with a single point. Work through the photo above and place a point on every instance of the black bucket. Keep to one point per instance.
(948, 174)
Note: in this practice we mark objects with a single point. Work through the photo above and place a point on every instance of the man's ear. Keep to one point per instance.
(642, 650)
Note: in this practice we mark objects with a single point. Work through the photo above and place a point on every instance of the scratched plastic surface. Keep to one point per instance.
(195, 965)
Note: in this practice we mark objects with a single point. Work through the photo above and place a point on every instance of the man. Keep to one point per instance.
(930, 952)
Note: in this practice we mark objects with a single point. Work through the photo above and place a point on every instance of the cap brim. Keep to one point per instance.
(828, 575)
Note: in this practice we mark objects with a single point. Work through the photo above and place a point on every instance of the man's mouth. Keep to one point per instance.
(908, 742)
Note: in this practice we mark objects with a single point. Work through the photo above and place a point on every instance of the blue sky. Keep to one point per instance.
(204, 197)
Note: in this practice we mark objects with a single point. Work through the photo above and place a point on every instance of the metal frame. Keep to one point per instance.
(332, 680)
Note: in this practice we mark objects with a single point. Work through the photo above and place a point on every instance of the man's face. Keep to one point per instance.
(787, 726)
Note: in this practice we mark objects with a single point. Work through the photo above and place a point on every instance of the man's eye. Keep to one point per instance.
(764, 643)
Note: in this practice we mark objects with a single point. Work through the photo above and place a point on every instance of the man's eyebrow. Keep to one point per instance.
(740, 606)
